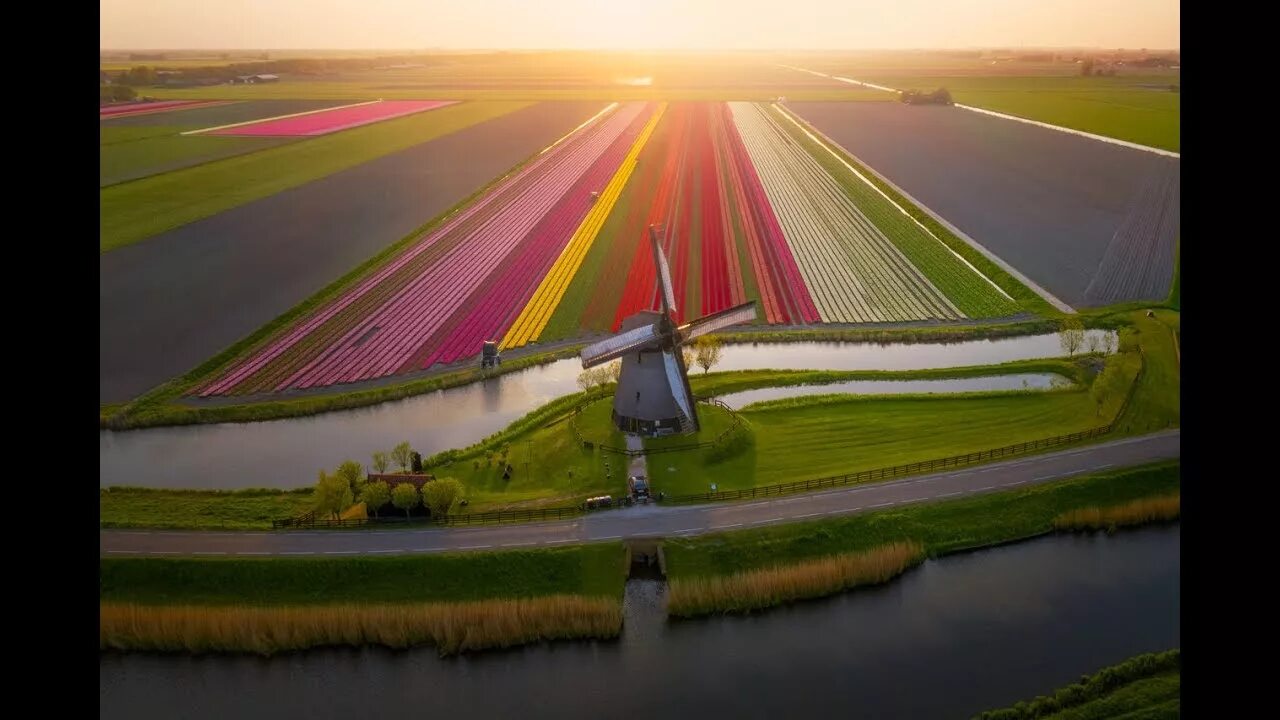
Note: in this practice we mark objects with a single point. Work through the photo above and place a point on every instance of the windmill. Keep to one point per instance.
(653, 396)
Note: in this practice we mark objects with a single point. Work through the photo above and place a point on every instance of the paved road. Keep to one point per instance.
(648, 521)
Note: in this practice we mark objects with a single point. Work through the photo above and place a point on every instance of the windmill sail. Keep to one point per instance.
(618, 345)
(664, 272)
(738, 314)
(679, 384)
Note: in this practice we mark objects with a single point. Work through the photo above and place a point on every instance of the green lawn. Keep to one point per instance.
(203, 509)
(138, 210)
(130, 153)
(942, 527)
(595, 569)
(1145, 687)
(1118, 107)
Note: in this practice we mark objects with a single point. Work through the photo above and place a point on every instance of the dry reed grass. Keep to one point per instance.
(755, 589)
(1158, 508)
(452, 627)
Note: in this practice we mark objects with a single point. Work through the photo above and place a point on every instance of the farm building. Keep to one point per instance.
(254, 79)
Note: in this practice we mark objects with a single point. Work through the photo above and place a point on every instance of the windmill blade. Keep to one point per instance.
(618, 345)
(736, 315)
(664, 271)
(679, 383)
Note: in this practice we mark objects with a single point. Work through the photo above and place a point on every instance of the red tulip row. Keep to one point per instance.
(459, 285)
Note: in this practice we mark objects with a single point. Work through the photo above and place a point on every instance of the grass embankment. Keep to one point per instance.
(457, 602)
(138, 210)
(939, 527)
(907, 238)
(823, 435)
(127, 507)
(543, 449)
(1145, 687)
(765, 587)
(1135, 512)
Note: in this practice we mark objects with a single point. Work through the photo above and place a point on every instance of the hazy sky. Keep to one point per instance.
(635, 24)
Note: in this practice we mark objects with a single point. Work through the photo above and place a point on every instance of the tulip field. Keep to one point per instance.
(556, 250)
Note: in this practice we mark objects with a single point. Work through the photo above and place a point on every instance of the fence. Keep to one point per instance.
(894, 471)
(487, 518)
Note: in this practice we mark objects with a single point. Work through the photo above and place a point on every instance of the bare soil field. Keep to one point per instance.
(1067, 211)
(172, 301)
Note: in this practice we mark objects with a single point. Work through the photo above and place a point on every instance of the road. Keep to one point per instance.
(653, 520)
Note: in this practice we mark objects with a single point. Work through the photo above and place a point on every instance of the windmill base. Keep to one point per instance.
(646, 428)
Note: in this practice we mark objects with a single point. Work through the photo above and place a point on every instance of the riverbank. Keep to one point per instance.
(1147, 686)
(168, 405)
(940, 528)
(551, 468)
(455, 602)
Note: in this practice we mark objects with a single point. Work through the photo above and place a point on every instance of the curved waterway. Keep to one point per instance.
(949, 639)
(287, 453)
(1020, 381)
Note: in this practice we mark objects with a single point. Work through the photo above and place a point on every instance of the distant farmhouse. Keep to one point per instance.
(254, 79)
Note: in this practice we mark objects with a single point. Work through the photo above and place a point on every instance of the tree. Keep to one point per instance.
(439, 495)
(415, 461)
(1071, 336)
(603, 376)
(1093, 343)
(333, 494)
(1086, 67)
(615, 370)
(1106, 385)
(587, 380)
(352, 472)
(707, 351)
(1108, 343)
(374, 495)
(405, 497)
(401, 455)
(689, 355)
(380, 461)
(140, 75)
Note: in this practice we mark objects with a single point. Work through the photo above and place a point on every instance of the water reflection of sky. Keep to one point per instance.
(287, 453)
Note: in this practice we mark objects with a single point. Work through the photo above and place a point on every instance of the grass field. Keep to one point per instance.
(138, 210)
(943, 527)
(1120, 107)
(129, 153)
(199, 509)
(591, 570)
(1145, 687)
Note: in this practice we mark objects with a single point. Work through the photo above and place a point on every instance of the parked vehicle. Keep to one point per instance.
(638, 488)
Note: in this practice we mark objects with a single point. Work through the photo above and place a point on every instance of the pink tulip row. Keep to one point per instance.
(491, 258)
(333, 120)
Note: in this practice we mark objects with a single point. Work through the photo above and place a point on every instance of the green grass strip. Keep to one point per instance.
(595, 569)
(1144, 686)
(138, 210)
(943, 527)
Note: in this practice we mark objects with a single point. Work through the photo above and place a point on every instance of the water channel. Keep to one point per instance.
(951, 638)
(287, 453)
